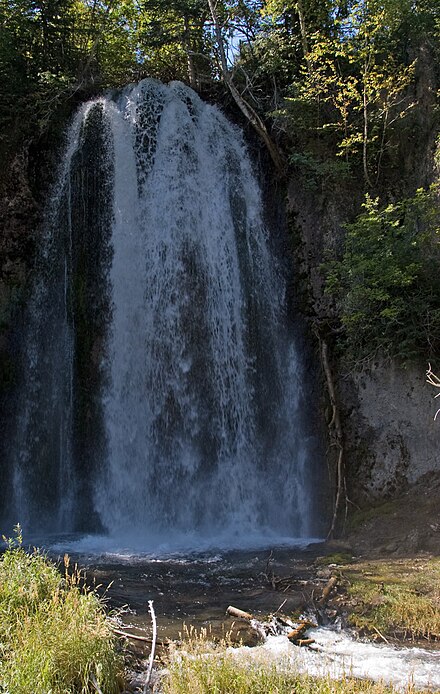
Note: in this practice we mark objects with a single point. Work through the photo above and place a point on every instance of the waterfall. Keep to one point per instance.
(163, 392)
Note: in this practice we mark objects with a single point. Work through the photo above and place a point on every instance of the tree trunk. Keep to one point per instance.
(192, 77)
(335, 429)
(365, 138)
(247, 110)
(303, 29)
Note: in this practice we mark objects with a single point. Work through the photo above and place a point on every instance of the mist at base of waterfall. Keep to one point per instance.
(133, 549)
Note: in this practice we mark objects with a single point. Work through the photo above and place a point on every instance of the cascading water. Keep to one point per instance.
(163, 389)
(59, 434)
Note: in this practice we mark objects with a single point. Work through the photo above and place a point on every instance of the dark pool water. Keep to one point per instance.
(195, 588)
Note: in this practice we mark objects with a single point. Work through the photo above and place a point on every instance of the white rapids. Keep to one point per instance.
(337, 654)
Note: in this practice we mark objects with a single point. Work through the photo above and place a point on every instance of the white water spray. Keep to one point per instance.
(204, 436)
(172, 380)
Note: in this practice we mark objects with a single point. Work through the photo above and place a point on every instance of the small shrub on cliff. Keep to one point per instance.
(388, 282)
(53, 633)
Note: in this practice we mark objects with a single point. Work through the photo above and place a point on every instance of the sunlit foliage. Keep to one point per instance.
(387, 282)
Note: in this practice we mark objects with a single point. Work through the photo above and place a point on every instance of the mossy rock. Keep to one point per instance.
(361, 516)
(340, 558)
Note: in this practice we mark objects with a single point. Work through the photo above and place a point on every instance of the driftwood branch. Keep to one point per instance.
(275, 626)
(433, 380)
(134, 637)
(297, 632)
(327, 590)
(281, 606)
(153, 646)
(240, 614)
(380, 635)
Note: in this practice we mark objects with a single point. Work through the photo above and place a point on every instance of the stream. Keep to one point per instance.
(193, 589)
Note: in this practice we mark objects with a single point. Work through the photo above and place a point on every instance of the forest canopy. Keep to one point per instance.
(337, 76)
(346, 89)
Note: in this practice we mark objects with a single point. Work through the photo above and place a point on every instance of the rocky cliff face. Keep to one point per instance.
(19, 218)
(19, 215)
(390, 437)
(18, 212)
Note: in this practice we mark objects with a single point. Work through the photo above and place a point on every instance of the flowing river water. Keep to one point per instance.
(194, 590)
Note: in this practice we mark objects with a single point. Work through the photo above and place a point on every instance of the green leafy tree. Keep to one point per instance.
(38, 57)
(352, 85)
(387, 283)
(343, 78)
(173, 42)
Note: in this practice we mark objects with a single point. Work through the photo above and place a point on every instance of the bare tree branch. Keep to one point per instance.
(247, 110)
(433, 380)
(153, 646)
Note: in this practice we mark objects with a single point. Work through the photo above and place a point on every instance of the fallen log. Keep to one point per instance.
(277, 626)
(135, 637)
(327, 590)
(240, 614)
(296, 633)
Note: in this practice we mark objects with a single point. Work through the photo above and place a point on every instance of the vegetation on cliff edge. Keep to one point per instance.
(387, 280)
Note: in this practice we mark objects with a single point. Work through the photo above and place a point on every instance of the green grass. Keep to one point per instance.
(197, 667)
(397, 598)
(54, 637)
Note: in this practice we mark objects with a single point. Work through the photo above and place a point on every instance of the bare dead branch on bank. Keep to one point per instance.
(335, 431)
(433, 380)
(153, 646)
